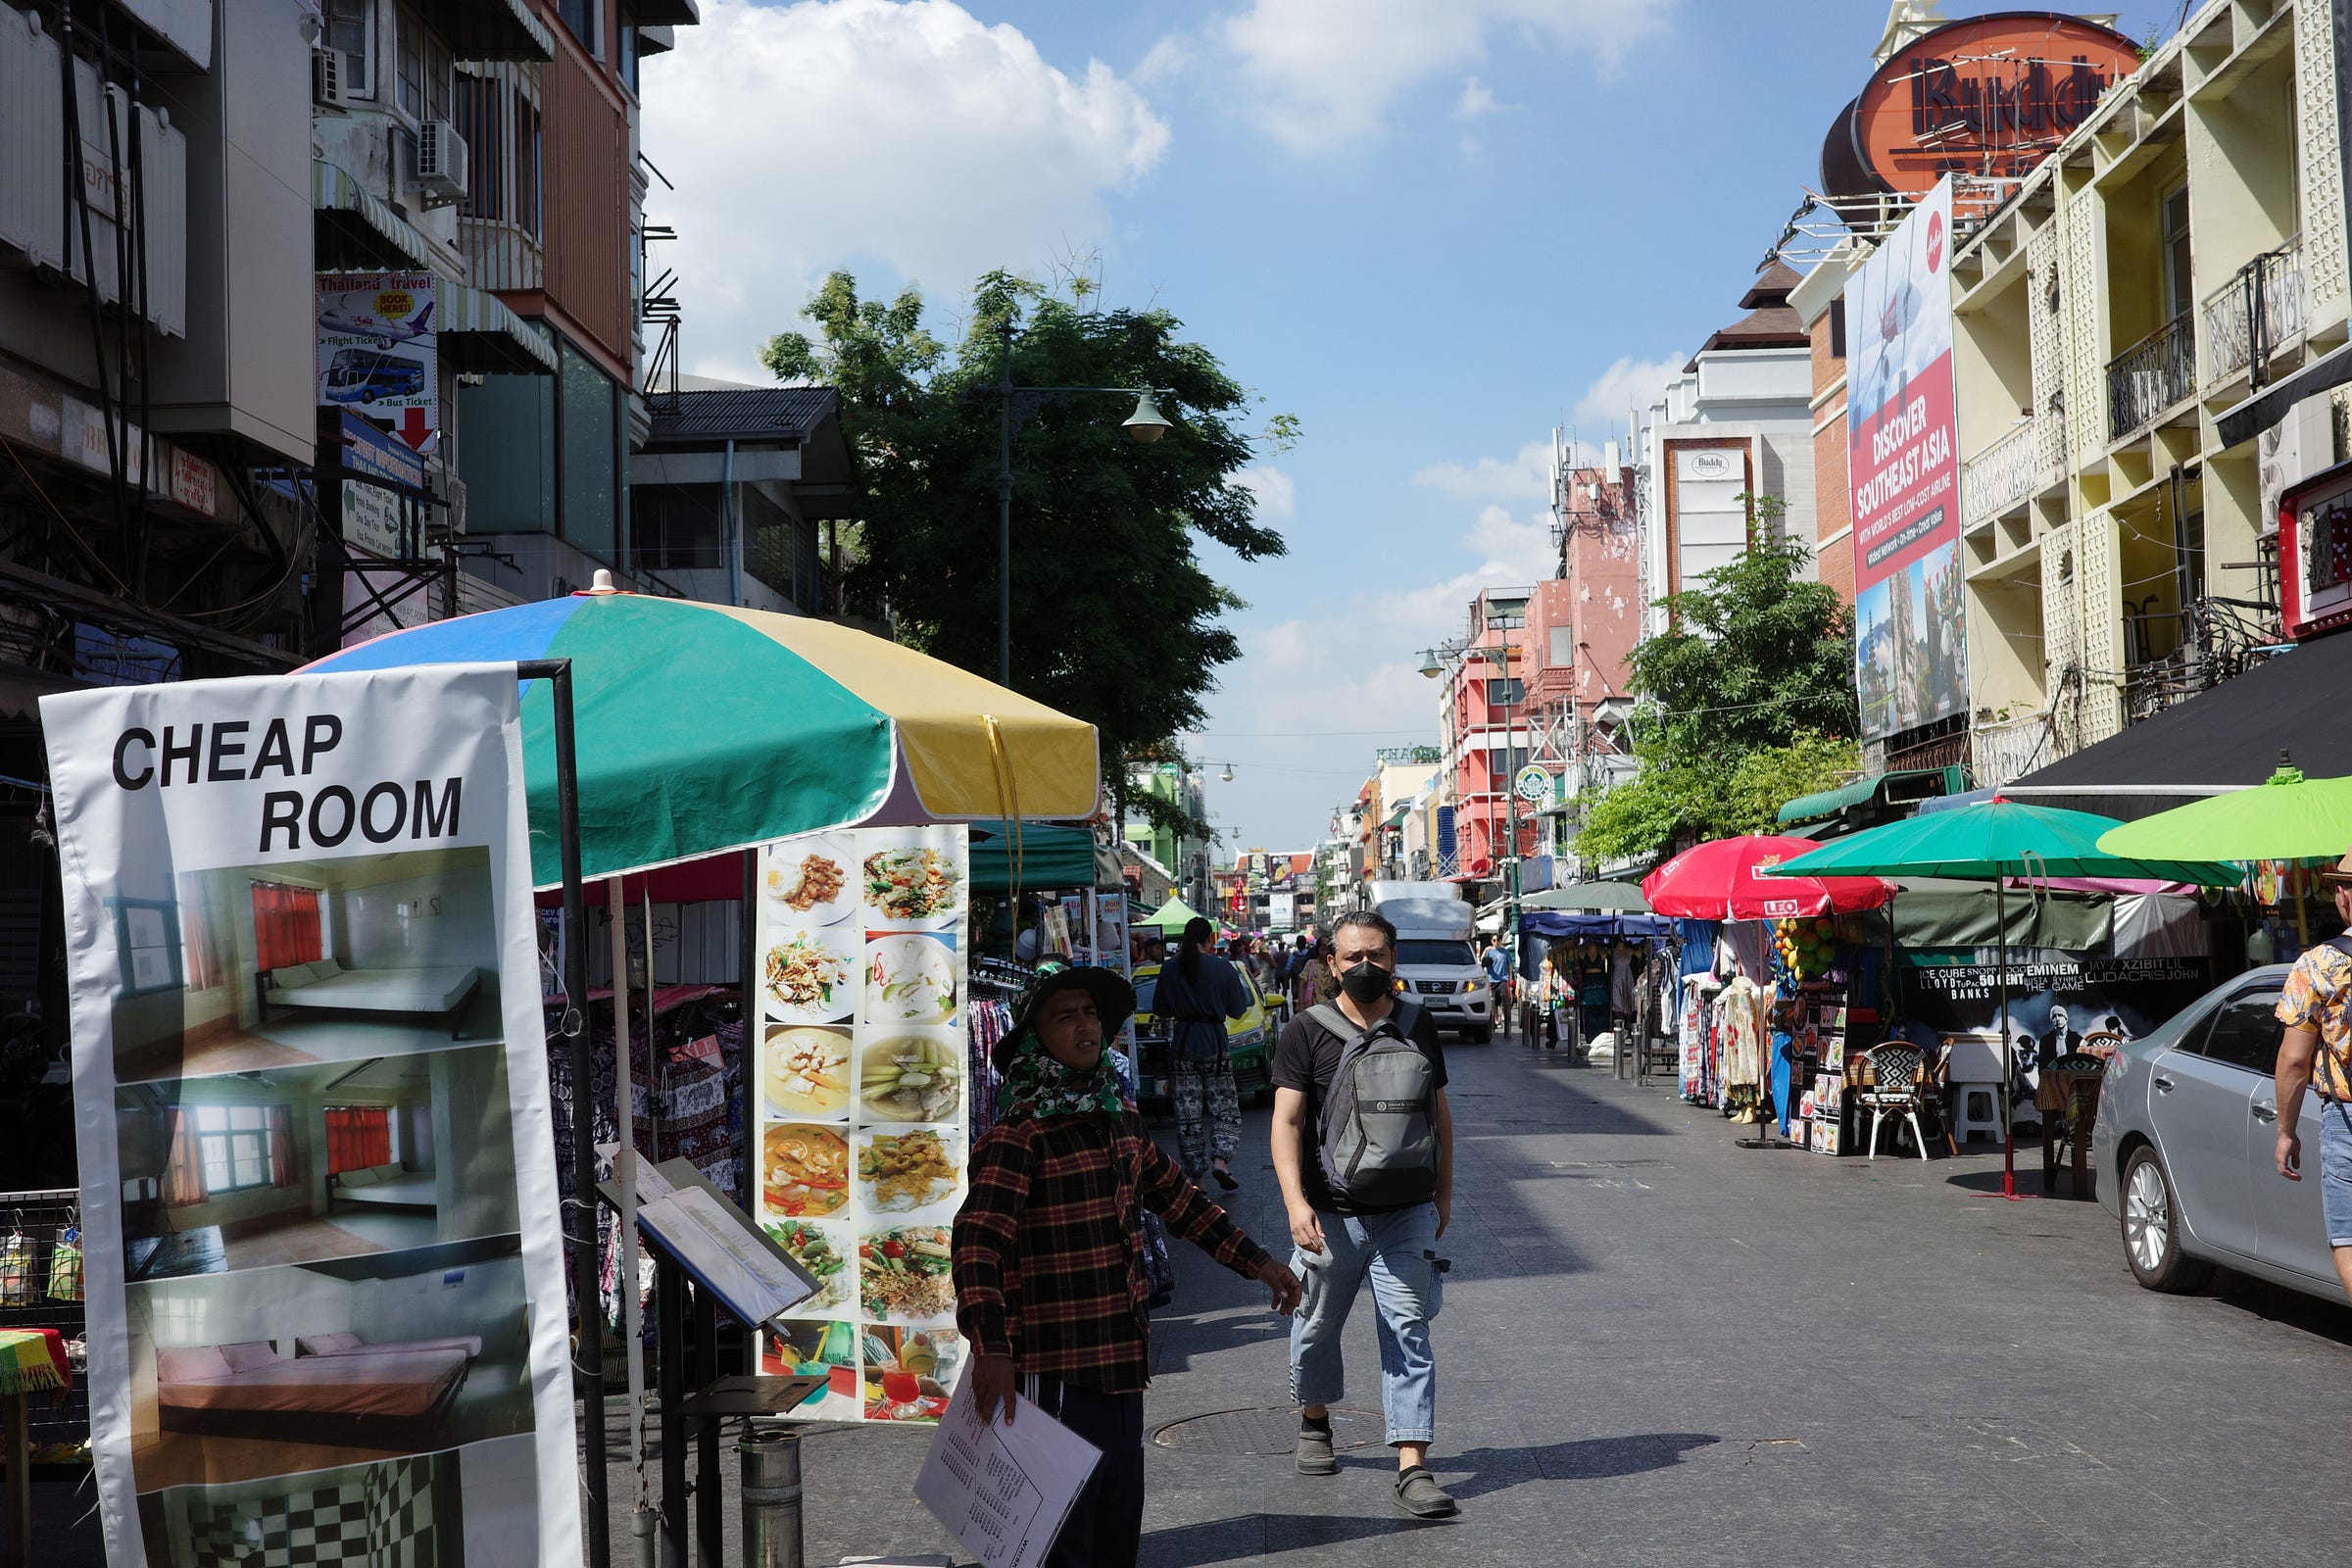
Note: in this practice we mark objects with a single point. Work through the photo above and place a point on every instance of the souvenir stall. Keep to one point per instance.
(1605, 961)
(1743, 1016)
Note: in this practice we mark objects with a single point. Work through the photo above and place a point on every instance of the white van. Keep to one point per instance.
(1437, 958)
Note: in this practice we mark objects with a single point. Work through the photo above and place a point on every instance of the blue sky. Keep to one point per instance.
(1432, 230)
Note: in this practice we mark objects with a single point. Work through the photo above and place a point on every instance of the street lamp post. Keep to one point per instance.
(1146, 425)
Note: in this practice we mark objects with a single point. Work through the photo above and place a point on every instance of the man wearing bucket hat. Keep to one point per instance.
(1051, 1287)
(2315, 1053)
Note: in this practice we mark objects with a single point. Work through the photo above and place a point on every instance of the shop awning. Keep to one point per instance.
(1902, 787)
(1054, 858)
(477, 332)
(493, 30)
(2225, 739)
(357, 230)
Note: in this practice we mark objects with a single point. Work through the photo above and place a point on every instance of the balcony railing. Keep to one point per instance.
(1999, 476)
(2214, 640)
(2010, 749)
(2151, 378)
(2255, 315)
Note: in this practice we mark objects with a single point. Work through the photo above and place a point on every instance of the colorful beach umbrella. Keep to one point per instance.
(2285, 817)
(1723, 879)
(703, 729)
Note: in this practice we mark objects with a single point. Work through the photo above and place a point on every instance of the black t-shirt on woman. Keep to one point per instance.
(1306, 1058)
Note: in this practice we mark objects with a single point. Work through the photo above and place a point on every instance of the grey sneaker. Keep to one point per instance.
(1419, 1495)
(1316, 1457)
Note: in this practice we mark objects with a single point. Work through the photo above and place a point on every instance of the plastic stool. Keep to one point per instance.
(1975, 1108)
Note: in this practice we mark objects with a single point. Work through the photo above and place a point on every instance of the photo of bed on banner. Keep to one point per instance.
(324, 1266)
(860, 1106)
(1910, 642)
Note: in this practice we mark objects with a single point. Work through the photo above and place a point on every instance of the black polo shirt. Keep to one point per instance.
(1306, 1058)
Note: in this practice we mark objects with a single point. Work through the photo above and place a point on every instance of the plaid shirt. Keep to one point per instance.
(1049, 1249)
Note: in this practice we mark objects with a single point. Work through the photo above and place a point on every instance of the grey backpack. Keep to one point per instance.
(1378, 1133)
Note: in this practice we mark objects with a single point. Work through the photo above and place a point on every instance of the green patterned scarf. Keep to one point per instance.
(1034, 1084)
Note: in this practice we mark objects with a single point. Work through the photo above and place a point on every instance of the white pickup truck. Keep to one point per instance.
(1437, 958)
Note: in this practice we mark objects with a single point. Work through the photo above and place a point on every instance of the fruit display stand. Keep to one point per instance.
(1827, 1036)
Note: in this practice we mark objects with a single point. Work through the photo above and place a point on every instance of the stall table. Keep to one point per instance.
(30, 1360)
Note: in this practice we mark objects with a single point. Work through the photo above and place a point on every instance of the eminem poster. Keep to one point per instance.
(1910, 642)
(326, 1310)
(2059, 1002)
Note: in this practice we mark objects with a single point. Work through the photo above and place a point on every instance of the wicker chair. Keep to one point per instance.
(1898, 1083)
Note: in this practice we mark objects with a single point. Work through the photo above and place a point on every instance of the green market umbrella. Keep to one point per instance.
(1990, 842)
(2285, 818)
(1173, 916)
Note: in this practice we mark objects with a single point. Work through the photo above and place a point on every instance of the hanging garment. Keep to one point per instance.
(1743, 1011)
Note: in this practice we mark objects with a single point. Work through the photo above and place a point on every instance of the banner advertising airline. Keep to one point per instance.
(1910, 646)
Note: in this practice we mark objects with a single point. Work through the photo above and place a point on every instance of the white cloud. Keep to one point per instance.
(1477, 99)
(1623, 387)
(1323, 73)
(906, 140)
(1274, 491)
(1516, 479)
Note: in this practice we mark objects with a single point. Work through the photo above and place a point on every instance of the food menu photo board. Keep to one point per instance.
(860, 1109)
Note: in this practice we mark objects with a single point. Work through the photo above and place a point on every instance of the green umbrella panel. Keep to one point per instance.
(2285, 817)
(1995, 839)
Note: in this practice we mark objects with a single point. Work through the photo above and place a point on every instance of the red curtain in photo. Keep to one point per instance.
(285, 925)
(357, 1137)
(183, 1170)
(281, 1146)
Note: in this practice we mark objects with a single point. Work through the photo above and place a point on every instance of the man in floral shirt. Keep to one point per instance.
(2315, 1053)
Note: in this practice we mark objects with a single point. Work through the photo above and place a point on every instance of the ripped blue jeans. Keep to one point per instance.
(1398, 1251)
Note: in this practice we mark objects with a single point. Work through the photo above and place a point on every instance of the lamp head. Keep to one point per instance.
(1226, 775)
(1428, 664)
(1147, 424)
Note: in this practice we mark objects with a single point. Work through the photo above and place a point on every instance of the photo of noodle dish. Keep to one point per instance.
(811, 881)
(912, 884)
(807, 976)
(911, 1076)
(803, 1171)
(901, 1172)
(806, 1072)
(903, 1274)
(910, 979)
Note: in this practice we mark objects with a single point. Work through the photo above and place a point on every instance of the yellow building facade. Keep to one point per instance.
(2180, 253)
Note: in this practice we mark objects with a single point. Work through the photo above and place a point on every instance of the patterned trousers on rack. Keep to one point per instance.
(1209, 1111)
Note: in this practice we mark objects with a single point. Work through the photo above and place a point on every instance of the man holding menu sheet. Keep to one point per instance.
(1049, 1286)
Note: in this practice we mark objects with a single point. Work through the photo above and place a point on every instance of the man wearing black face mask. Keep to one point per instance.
(1340, 1242)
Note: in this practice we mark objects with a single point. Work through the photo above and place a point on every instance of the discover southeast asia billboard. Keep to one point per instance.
(1910, 645)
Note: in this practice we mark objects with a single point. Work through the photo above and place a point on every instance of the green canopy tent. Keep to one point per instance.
(1050, 857)
(1172, 917)
(1990, 842)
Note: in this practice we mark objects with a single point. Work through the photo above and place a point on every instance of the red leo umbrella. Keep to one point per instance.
(1723, 880)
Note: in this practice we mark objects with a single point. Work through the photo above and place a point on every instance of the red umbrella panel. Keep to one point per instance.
(1723, 880)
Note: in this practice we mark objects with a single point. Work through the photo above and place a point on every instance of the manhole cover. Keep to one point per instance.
(1264, 1431)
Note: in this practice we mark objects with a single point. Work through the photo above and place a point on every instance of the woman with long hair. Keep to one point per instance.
(1196, 995)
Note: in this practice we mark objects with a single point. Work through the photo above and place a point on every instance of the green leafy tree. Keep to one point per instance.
(1113, 618)
(1750, 703)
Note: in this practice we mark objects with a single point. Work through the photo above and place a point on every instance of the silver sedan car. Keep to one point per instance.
(2186, 1125)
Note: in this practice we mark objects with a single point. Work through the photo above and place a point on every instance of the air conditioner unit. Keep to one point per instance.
(440, 162)
(326, 79)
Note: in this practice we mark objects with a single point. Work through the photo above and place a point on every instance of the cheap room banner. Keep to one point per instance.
(326, 1310)
(860, 1097)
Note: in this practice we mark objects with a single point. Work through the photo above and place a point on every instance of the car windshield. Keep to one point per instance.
(1425, 954)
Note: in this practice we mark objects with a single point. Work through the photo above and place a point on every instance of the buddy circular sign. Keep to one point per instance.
(1990, 96)
(1533, 783)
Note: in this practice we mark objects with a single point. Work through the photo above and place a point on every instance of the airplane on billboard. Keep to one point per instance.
(368, 324)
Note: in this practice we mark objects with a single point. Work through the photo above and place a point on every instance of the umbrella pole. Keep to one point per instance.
(588, 1352)
(2000, 1025)
(624, 1171)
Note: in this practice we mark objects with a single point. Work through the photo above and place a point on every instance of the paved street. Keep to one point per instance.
(1660, 1349)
